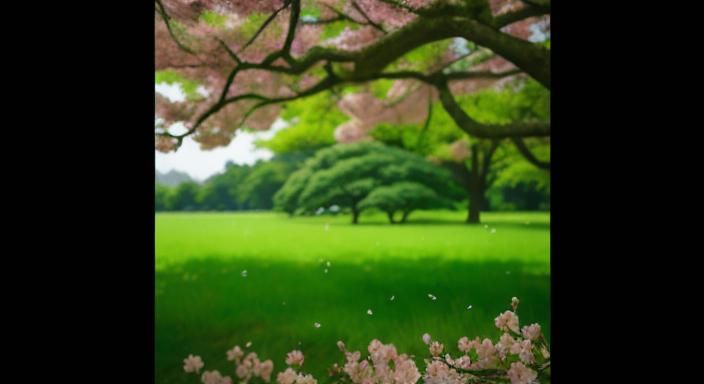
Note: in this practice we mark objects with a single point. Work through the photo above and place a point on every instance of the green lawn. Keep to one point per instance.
(205, 306)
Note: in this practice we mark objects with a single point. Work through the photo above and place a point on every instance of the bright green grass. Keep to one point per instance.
(204, 305)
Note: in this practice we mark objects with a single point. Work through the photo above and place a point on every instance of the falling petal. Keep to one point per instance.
(469, 306)
(493, 230)
(369, 312)
(426, 338)
(249, 344)
(328, 264)
(326, 270)
(317, 325)
(392, 298)
(244, 273)
(432, 297)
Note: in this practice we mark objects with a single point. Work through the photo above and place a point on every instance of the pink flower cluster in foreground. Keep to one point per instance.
(520, 356)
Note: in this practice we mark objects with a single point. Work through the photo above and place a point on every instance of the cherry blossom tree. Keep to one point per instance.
(249, 58)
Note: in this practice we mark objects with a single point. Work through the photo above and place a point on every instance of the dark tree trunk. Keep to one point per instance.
(474, 190)
(355, 215)
(478, 182)
(390, 215)
(476, 203)
(405, 216)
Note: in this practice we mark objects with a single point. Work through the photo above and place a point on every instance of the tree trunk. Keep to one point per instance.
(390, 215)
(405, 216)
(474, 190)
(476, 203)
(355, 215)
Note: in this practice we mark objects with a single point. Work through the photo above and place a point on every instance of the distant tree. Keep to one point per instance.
(344, 175)
(185, 196)
(162, 197)
(221, 191)
(403, 197)
(266, 177)
(478, 164)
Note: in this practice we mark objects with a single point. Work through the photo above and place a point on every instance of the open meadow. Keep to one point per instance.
(226, 279)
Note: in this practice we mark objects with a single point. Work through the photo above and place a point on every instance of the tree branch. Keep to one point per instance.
(528, 155)
(538, 3)
(264, 25)
(486, 131)
(292, 24)
(366, 17)
(164, 16)
(505, 19)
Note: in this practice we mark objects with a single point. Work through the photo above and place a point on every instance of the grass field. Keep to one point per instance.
(204, 304)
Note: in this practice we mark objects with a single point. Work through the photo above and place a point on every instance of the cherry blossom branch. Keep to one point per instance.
(293, 22)
(164, 16)
(364, 14)
(400, 5)
(323, 85)
(265, 24)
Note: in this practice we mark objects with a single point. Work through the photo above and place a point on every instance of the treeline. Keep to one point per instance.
(252, 187)
(239, 187)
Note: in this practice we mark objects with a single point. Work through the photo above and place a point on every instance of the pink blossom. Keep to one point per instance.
(435, 348)
(265, 370)
(307, 379)
(405, 371)
(504, 345)
(235, 354)
(295, 358)
(520, 374)
(426, 338)
(531, 332)
(524, 350)
(464, 345)
(214, 377)
(286, 377)
(192, 364)
(507, 320)
(487, 354)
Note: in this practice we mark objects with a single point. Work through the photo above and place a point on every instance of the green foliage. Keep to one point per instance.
(344, 175)
(260, 185)
(239, 187)
(381, 87)
(184, 197)
(403, 197)
(162, 198)
(214, 19)
(525, 100)
(332, 30)
(253, 22)
(312, 126)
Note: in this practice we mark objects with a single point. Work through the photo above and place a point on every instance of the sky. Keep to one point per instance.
(200, 164)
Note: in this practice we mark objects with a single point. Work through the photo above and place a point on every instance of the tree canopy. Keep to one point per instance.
(346, 174)
(239, 61)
